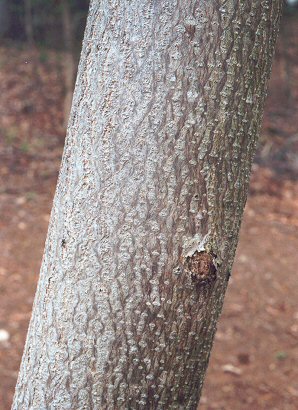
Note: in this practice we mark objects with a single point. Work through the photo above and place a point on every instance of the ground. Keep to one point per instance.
(252, 364)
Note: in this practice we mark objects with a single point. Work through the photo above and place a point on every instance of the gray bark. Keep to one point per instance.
(149, 200)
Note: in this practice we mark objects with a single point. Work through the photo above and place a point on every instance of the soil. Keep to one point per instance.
(254, 359)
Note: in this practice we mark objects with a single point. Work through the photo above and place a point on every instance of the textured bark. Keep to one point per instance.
(150, 195)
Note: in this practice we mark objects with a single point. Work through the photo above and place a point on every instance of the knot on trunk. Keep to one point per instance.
(201, 267)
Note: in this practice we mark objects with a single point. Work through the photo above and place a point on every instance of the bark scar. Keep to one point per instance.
(201, 267)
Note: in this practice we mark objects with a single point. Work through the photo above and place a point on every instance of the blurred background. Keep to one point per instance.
(254, 360)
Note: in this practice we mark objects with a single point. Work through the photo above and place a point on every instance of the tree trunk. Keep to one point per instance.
(29, 22)
(145, 221)
(4, 17)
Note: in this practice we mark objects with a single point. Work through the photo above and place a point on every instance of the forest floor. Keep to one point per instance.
(254, 360)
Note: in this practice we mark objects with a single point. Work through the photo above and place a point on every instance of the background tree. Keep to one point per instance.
(69, 60)
(4, 17)
(43, 22)
(29, 22)
(148, 205)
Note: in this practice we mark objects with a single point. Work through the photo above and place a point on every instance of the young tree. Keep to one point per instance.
(153, 182)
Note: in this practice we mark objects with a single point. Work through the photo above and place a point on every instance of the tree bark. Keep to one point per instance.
(152, 186)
